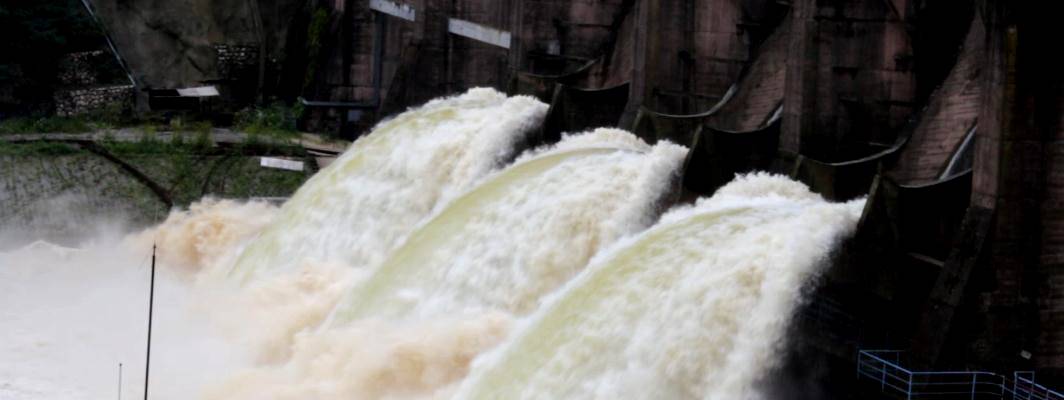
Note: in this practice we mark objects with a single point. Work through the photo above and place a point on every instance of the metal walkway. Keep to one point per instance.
(882, 366)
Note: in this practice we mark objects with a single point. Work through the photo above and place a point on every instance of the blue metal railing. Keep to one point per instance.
(1024, 388)
(884, 367)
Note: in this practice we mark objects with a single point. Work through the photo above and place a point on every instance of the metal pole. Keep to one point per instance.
(883, 379)
(151, 301)
(110, 43)
(119, 381)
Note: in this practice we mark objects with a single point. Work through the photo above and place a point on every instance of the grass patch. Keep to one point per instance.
(45, 125)
(37, 149)
(276, 119)
(150, 142)
(111, 116)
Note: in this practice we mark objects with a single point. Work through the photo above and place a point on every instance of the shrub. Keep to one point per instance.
(275, 119)
(45, 125)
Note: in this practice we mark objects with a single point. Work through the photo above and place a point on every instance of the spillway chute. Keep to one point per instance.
(692, 308)
(488, 258)
(523, 232)
(358, 209)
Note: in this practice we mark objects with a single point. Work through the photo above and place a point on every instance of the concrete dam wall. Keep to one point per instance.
(945, 115)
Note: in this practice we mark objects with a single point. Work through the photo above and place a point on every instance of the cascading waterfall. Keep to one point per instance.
(523, 232)
(693, 308)
(445, 274)
(347, 218)
(483, 260)
(358, 209)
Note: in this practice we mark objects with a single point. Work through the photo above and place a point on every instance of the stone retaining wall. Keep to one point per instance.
(79, 69)
(83, 100)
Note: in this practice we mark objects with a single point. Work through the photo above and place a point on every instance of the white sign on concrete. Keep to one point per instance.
(479, 32)
(281, 163)
(201, 91)
(394, 9)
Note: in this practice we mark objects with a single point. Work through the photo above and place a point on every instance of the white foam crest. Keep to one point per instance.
(695, 307)
(595, 138)
(206, 236)
(529, 282)
(495, 252)
(345, 220)
(358, 209)
(522, 233)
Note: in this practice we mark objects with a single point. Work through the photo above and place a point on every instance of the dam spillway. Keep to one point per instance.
(943, 116)
(491, 264)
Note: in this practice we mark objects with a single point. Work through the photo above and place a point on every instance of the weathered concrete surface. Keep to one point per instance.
(1018, 163)
(761, 89)
(53, 188)
(951, 113)
(46, 195)
(849, 82)
(701, 46)
(552, 36)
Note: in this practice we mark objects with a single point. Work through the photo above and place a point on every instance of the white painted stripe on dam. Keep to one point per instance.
(394, 9)
(479, 32)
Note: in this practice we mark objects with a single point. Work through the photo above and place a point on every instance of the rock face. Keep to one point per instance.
(236, 59)
(172, 43)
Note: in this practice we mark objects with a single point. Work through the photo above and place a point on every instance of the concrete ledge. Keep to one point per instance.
(402, 11)
(478, 32)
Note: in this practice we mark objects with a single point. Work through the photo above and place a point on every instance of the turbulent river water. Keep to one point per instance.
(436, 259)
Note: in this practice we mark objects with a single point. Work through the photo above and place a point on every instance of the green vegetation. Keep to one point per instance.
(111, 117)
(187, 165)
(44, 125)
(181, 124)
(37, 149)
(42, 170)
(151, 142)
(275, 120)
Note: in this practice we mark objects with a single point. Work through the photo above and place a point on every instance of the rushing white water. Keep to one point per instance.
(693, 308)
(68, 317)
(456, 277)
(523, 232)
(483, 260)
(350, 216)
(358, 209)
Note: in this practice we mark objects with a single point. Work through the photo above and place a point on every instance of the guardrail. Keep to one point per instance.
(883, 366)
(1024, 388)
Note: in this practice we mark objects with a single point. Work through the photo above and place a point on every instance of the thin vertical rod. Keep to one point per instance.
(151, 301)
(119, 381)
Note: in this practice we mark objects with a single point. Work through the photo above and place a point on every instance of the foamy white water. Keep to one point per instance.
(696, 307)
(523, 232)
(450, 291)
(460, 277)
(350, 216)
(357, 210)
(68, 317)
